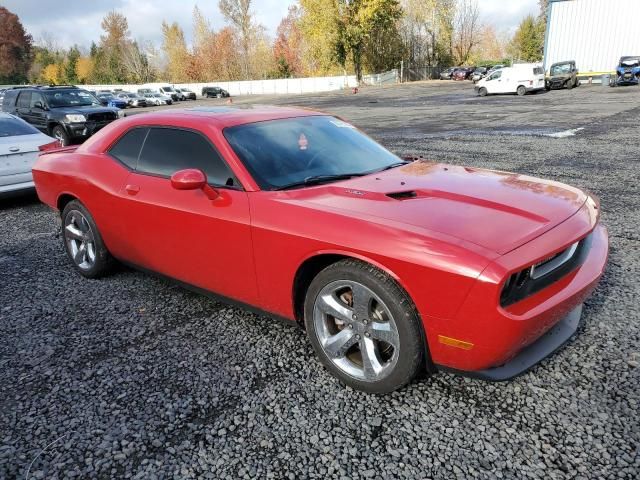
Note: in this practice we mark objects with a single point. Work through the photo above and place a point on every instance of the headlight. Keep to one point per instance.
(76, 118)
(120, 113)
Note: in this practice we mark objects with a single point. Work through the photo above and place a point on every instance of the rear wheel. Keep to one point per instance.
(483, 92)
(521, 90)
(61, 135)
(363, 327)
(83, 242)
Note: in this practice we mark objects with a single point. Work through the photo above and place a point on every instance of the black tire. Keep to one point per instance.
(521, 91)
(103, 261)
(412, 351)
(483, 92)
(59, 133)
(569, 84)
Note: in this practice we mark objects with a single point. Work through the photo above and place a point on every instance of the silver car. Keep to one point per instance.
(20, 144)
(133, 99)
(157, 99)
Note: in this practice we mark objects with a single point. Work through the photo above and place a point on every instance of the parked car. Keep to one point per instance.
(132, 99)
(215, 92)
(471, 270)
(463, 73)
(562, 75)
(521, 79)
(190, 95)
(169, 91)
(157, 99)
(628, 71)
(67, 113)
(110, 100)
(494, 69)
(20, 144)
(447, 74)
(181, 96)
(478, 74)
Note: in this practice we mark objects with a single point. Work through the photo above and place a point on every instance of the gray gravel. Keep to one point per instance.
(133, 377)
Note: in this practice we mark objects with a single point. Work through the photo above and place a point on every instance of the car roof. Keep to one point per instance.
(221, 117)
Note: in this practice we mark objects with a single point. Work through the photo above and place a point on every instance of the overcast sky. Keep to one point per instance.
(71, 22)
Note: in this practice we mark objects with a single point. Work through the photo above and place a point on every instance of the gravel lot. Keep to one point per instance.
(133, 377)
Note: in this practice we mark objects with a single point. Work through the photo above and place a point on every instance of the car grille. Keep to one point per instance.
(534, 278)
(102, 116)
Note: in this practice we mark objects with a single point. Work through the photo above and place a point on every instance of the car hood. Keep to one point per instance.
(496, 210)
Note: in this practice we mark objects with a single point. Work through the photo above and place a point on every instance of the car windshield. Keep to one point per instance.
(70, 98)
(167, 89)
(288, 153)
(12, 127)
(561, 69)
(630, 62)
(105, 95)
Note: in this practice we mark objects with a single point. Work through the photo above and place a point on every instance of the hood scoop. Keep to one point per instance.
(406, 195)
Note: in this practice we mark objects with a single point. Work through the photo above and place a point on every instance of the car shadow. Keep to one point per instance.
(18, 199)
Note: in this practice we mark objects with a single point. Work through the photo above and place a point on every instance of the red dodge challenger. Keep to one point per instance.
(392, 266)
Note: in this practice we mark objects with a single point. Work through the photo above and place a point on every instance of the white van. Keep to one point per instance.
(521, 79)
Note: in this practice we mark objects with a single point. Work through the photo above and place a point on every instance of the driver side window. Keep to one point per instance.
(495, 75)
(168, 150)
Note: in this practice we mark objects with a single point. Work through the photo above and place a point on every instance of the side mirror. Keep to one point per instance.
(193, 179)
(38, 105)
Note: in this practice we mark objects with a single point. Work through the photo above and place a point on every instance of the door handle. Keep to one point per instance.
(132, 189)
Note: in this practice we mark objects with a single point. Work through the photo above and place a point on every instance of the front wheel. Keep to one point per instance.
(521, 91)
(483, 92)
(83, 242)
(60, 134)
(363, 327)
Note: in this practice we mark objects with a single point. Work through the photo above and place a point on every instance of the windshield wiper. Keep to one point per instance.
(393, 165)
(320, 179)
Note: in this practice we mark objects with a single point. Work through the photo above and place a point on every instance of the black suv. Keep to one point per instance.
(67, 113)
(216, 92)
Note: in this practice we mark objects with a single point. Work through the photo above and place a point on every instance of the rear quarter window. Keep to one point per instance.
(127, 148)
(13, 127)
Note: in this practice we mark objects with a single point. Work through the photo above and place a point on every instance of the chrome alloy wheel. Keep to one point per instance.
(80, 240)
(356, 330)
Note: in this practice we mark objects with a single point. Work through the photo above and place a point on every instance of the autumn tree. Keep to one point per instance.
(528, 41)
(108, 56)
(175, 49)
(357, 20)
(135, 63)
(238, 13)
(84, 69)
(319, 28)
(287, 48)
(467, 28)
(15, 49)
(426, 30)
(51, 74)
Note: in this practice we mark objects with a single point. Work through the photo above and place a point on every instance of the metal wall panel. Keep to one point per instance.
(594, 33)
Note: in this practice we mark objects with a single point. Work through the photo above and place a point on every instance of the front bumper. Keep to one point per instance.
(85, 130)
(533, 354)
(491, 335)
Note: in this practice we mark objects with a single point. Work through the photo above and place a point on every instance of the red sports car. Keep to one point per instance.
(392, 266)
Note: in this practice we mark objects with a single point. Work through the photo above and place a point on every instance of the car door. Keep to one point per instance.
(184, 234)
(37, 112)
(494, 82)
(23, 106)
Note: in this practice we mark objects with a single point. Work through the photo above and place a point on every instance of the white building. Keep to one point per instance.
(594, 33)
